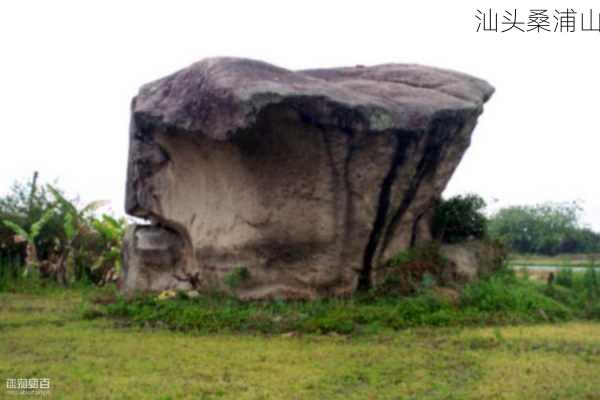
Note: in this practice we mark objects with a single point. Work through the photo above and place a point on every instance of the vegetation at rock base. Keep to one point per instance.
(236, 276)
(500, 299)
(412, 270)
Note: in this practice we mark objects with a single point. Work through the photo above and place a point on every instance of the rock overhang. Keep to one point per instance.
(218, 97)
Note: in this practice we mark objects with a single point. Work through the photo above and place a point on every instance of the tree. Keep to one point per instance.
(459, 218)
(547, 228)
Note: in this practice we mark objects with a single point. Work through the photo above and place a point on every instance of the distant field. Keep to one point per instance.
(561, 260)
(46, 336)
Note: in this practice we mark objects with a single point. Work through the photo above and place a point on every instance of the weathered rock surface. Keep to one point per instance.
(297, 184)
(473, 259)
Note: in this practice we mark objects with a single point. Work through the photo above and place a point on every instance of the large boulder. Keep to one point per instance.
(267, 182)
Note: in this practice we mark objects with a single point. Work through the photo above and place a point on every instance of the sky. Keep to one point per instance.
(68, 70)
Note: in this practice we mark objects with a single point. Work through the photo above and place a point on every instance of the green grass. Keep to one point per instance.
(45, 333)
(491, 341)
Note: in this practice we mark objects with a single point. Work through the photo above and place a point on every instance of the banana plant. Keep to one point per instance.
(111, 230)
(31, 258)
(76, 222)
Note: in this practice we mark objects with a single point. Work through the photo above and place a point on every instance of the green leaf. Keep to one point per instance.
(17, 229)
(113, 222)
(112, 230)
(98, 263)
(37, 227)
(68, 206)
(69, 226)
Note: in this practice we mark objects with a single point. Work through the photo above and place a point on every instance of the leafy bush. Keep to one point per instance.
(460, 218)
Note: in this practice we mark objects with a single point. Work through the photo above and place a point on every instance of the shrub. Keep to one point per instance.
(459, 218)
(565, 277)
(412, 270)
(504, 293)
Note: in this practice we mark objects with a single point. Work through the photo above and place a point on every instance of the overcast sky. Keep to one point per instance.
(69, 69)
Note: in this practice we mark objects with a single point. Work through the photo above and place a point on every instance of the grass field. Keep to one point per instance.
(45, 335)
(560, 260)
